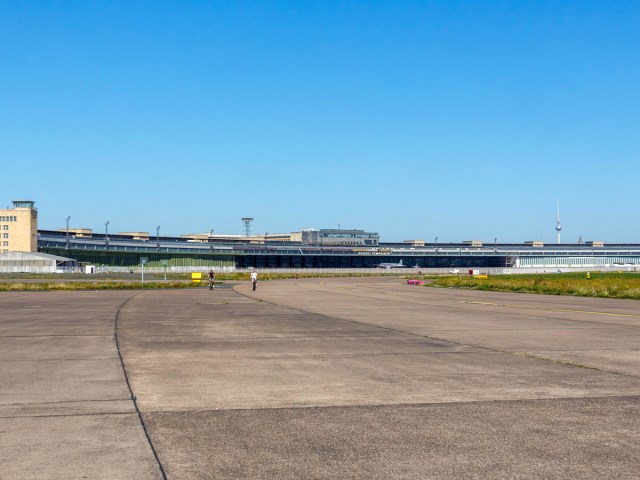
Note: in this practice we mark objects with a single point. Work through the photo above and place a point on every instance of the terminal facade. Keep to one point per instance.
(309, 248)
(125, 251)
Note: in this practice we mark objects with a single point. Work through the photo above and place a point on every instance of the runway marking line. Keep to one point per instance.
(589, 312)
(611, 314)
(532, 356)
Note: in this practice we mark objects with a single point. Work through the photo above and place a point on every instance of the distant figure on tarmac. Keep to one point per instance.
(212, 279)
(254, 278)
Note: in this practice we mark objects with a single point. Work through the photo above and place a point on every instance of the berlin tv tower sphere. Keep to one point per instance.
(558, 227)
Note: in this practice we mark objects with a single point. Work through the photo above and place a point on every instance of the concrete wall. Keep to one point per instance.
(36, 269)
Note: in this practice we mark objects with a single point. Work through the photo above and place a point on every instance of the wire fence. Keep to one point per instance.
(374, 271)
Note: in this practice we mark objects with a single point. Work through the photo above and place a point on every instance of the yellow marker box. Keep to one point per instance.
(196, 277)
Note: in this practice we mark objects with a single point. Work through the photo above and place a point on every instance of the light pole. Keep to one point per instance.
(68, 218)
(211, 241)
(158, 238)
(106, 235)
(436, 244)
(143, 260)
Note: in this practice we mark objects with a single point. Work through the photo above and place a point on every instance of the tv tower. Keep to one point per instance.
(558, 226)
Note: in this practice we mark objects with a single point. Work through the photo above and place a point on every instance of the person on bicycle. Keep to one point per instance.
(212, 279)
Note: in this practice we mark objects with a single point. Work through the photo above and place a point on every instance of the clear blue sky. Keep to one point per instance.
(462, 120)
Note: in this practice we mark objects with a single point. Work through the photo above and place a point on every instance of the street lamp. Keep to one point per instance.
(158, 238)
(106, 235)
(68, 218)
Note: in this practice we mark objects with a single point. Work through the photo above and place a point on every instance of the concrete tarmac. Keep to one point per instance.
(316, 379)
(65, 409)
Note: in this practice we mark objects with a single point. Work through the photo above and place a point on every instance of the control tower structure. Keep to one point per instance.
(247, 226)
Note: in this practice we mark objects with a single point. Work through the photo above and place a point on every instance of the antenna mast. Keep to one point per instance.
(558, 226)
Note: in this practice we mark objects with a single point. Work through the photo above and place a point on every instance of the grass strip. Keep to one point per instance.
(600, 285)
(182, 280)
(241, 276)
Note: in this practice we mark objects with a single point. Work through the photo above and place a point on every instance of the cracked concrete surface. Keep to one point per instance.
(317, 379)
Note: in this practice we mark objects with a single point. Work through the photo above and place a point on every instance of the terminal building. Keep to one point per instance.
(308, 248)
(124, 251)
(339, 238)
(19, 227)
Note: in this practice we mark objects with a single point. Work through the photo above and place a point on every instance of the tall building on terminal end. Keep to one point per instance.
(19, 227)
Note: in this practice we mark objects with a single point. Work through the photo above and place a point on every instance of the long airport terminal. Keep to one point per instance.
(335, 377)
(25, 246)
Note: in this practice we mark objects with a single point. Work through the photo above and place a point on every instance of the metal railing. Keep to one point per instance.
(375, 271)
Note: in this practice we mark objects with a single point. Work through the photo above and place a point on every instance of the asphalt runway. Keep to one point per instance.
(315, 379)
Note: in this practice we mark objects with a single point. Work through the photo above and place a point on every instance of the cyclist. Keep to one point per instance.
(212, 279)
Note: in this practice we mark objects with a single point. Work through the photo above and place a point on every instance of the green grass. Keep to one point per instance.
(70, 282)
(604, 285)
(241, 276)
(601, 285)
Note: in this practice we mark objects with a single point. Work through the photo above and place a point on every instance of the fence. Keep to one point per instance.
(36, 269)
(375, 271)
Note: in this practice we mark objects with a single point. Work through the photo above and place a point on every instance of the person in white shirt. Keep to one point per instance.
(254, 278)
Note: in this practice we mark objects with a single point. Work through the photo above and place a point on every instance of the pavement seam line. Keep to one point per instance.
(565, 310)
(107, 414)
(578, 365)
(39, 336)
(482, 347)
(65, 401)
(79, 359)
(369, 289)
(126, 377)
(332, 355)
(395, 405)
(525, 307)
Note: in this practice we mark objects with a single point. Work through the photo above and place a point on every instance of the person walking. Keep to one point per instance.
(212, 279)
(254, 278)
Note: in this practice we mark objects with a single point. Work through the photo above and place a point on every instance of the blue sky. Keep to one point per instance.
(461, 120)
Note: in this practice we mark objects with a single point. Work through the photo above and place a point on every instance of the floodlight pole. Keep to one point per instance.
(211, 241)
(68, 218)
(143, 260)
(106, 235)
(158, 238)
